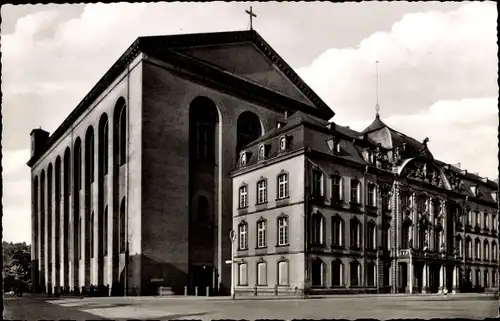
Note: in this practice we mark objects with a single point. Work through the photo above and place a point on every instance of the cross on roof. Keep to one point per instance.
(252, 15)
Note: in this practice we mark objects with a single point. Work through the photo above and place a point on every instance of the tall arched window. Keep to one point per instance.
(337, 273)
(317, 228)
(317, 272)
(494, 254)
(477, 249)
(337, 231)
(89, 156)
(92, 224)
(103, 145)
(78, 165)
(372, 235)
(355, 233)
(283, 272)
(460, 246)
(203, 119)
(105, 232)
(42, 218)
(120, 132)
(122, 226)
(468, 248)
(486, 251)
(405, 237)
(248, 129)
(355, 273)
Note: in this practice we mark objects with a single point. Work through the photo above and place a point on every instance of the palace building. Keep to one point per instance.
(321, 209)
(187, 137)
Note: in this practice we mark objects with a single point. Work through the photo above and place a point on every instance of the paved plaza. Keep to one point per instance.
(382, 307)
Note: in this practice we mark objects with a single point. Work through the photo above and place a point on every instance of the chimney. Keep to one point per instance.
(286, 114)
(39, 138)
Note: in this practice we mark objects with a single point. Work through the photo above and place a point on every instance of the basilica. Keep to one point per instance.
(189, 137)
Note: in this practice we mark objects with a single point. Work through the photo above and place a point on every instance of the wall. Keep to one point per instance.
(166, 99)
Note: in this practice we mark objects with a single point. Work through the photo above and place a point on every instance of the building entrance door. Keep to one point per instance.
(202, 277)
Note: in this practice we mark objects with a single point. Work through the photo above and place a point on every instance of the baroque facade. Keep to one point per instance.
(320, 208)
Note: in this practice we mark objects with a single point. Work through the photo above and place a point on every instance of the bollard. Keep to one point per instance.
(207, 293)
(196, 291)
(185, 290)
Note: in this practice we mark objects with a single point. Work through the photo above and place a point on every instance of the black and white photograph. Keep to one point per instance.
(250, 160)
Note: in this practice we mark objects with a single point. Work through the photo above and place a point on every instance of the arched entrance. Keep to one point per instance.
(204, 148)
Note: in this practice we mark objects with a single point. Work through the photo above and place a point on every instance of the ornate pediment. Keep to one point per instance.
(454, 179)
(423, 171)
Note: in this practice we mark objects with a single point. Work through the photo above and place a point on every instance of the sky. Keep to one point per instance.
(437, 71)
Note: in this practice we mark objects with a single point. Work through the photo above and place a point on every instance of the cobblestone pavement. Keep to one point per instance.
(383, 307)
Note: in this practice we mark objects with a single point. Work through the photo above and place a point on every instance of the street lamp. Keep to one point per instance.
(232, 237)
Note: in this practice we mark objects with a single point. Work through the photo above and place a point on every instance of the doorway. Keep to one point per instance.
(201, 277)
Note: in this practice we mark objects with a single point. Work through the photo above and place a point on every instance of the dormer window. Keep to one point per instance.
(280, 124)
(334, 144)
(262, 152)
(283, 143)
(494, 195)
(243, 159)
(474, 189)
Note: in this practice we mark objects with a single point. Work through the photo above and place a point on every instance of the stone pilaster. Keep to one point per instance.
(432, 245)
(456, 280)
(395, 236)
(444, 212)
(425, 281)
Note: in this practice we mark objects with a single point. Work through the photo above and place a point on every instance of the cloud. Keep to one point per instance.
(460, 131)
(424, 58)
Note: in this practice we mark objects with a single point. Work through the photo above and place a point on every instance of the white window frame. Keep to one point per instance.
(241, 276)
(283, 190)
(287, 271)
(283, 143)
(283, 230)
(259, 276)
(243, 196)
(243, 236)
(262, 191)
(262, 152)
(261, 234)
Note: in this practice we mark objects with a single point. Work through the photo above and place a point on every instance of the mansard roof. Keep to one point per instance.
(204, 55)
(379, 133)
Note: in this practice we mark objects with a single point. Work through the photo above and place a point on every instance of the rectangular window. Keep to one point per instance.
(371, 195)
(316, 183)
(262, 192)
(478, 218)
(337, 231)
(283, 231)
(486, 221)
(354, 191)
(242, 274)
(282, 186)
(283, 273)
(386, 205)
(243, 196)
(261, 273)
(336, 188)
(261, 234)
(243, 237)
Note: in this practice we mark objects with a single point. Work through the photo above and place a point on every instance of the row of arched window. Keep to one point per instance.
(261, 275)
(338, 232)
(282, 190)
(83, 162)
(477, 249)
(338, 275)
(282, 233)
